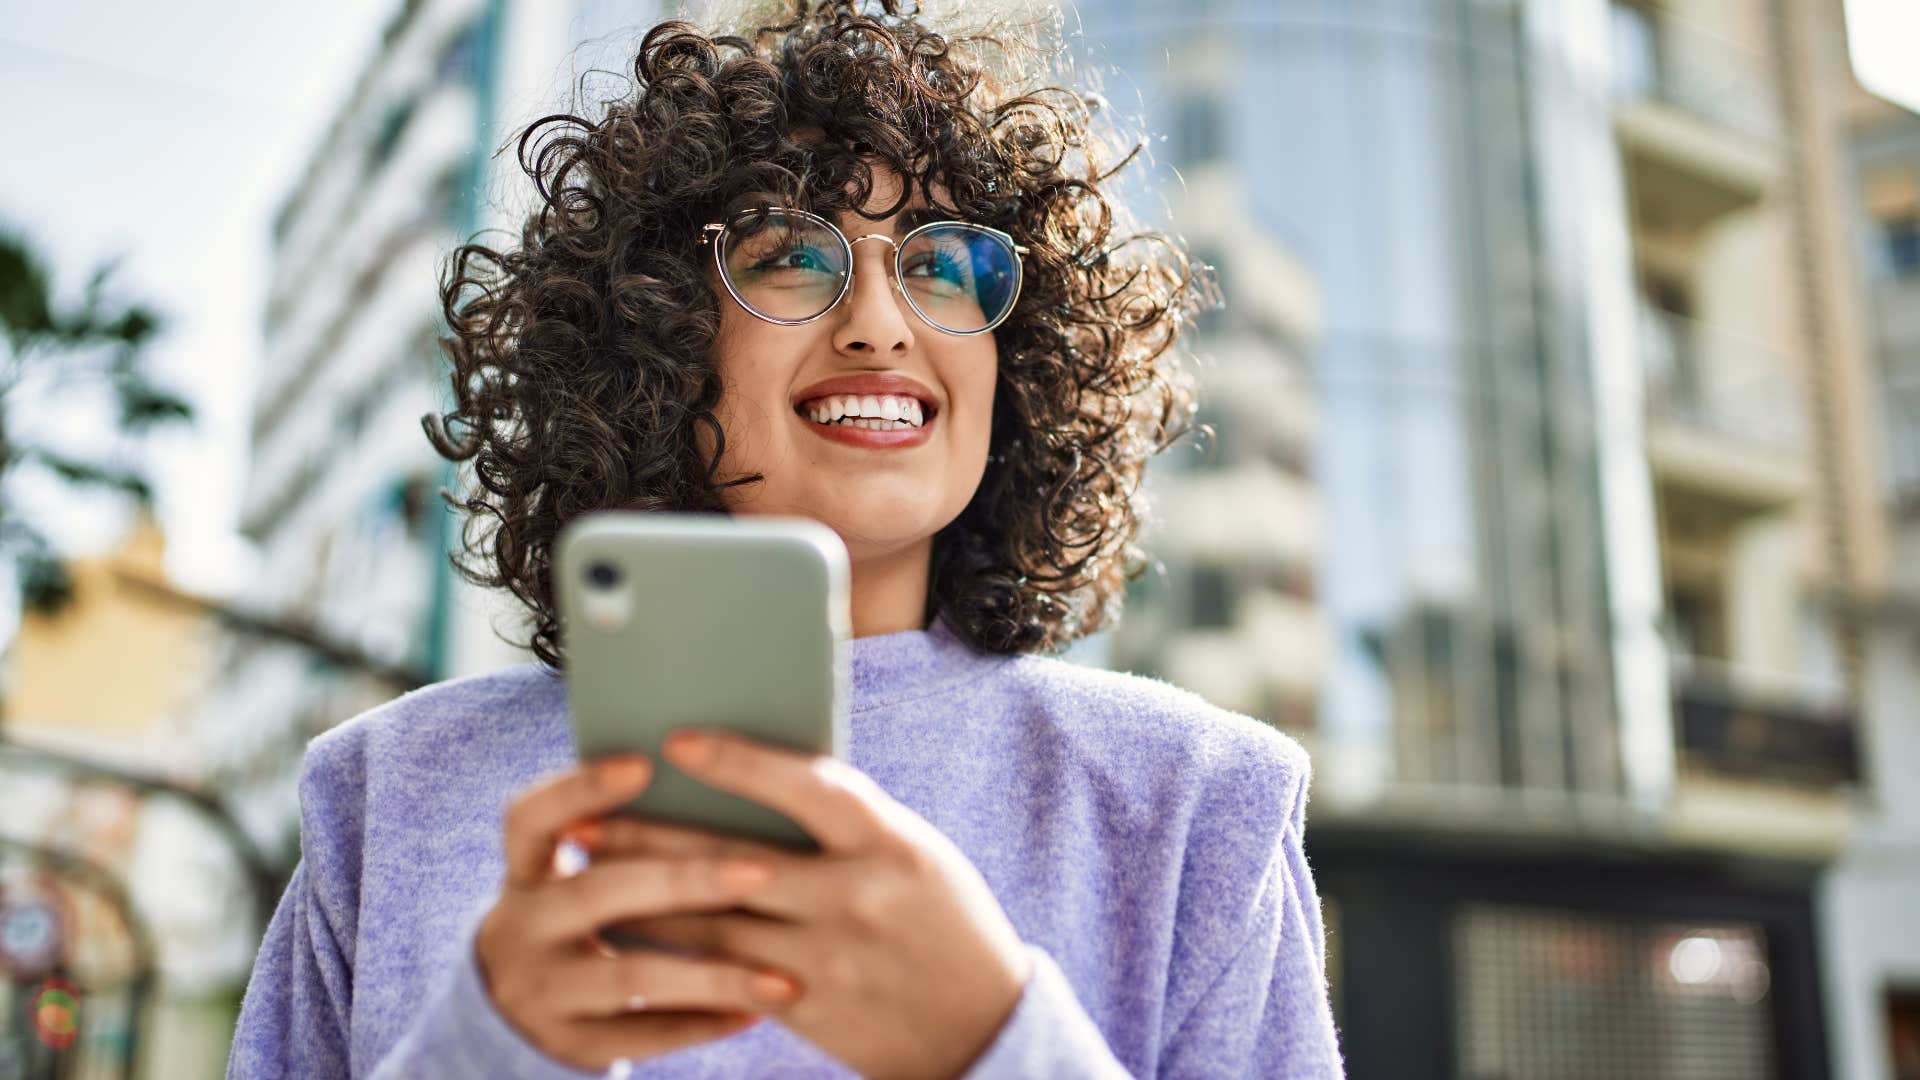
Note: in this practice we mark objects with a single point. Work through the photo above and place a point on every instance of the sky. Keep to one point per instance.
(166, 133)
(1884, 37)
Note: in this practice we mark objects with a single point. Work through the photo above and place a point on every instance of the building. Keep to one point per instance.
(1592, 511)
(342, 498)
(1872, 955)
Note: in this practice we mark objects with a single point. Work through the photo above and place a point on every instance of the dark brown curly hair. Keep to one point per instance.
(581, 357)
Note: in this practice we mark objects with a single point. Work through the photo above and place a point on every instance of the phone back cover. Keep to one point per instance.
(736, 623)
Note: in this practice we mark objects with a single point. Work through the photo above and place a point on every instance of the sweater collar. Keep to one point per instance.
(886, 668)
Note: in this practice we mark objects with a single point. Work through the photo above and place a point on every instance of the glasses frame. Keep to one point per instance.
(713, 233)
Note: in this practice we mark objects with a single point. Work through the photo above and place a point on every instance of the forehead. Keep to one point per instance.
(873, 214)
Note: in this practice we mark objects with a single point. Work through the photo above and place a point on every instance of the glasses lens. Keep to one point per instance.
(783, 265)
(962, 278)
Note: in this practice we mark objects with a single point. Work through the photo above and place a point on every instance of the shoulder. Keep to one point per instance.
(1138, 723)
(437, 724)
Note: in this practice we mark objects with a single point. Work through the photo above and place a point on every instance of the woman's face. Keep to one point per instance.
(882, 499)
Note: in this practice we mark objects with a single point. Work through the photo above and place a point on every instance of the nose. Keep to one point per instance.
(872, 319)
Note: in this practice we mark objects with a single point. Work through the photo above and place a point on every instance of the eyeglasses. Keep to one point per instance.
(790, 267)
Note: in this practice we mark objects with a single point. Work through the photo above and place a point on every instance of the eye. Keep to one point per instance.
(794, 257)
(938, 265)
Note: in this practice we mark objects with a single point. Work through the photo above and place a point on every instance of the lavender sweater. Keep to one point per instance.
(1145, 843)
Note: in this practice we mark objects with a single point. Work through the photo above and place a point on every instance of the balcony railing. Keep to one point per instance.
(1902, 414)
(1732, 387)
(1736, 722)
(1661, 58)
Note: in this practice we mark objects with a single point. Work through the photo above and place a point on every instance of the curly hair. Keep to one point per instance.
(582, 357)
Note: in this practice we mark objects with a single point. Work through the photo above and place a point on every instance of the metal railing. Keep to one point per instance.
(1764, 725)
(1661, 58)
(1727, 385)
(1902, 420)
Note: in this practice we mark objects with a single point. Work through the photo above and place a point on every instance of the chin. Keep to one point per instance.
(867, 532)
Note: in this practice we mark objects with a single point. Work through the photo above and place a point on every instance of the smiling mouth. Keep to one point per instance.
(922, 415)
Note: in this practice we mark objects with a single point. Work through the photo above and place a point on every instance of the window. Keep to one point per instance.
(392, 125)
(1212, 319)
(1555, 993)
(460, 61)
(1902, 239)
(1198, 128)
(1212, 597)
(1903, 1031)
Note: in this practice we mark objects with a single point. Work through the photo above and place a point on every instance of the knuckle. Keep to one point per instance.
(734, 983)
(838, 774)
(519, 990)
(698, 878)
(636, 975)
(875, 900)
(581, 892)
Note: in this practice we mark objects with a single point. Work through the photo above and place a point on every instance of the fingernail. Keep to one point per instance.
(624, 773)
(766, 984)
(691, 749)
(744, 875)
(588, 834)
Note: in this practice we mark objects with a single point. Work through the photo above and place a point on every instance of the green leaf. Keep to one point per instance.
(75, 471)
(26, 306)
(143, 405)
(45, 584)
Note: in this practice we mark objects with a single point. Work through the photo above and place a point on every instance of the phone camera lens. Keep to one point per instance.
(603, 575)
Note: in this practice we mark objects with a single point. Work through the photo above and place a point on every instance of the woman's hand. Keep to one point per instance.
(535, 951)
(907, 965)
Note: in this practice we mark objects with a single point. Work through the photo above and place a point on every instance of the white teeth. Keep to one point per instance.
(878, 412)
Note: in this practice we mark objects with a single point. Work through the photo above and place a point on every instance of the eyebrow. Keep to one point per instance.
(910, 220)
(903, 223)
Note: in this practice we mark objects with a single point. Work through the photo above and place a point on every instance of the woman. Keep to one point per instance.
(840, 267)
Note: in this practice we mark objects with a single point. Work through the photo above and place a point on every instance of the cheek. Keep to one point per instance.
(975, 391)
(753, 366)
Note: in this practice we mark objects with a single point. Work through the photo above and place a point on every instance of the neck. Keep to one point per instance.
(889, 590)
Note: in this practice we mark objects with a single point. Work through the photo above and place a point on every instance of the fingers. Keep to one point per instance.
(593, 986)
(622, 834)
(615, 890)
(730, 934)
(837, 804)
(536, 818)
(597, 1043)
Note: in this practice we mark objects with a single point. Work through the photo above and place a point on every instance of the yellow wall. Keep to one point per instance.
(114, 663)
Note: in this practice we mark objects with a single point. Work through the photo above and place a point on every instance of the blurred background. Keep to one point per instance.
(1565, 504)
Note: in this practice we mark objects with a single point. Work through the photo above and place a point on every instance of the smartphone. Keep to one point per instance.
(672, 620)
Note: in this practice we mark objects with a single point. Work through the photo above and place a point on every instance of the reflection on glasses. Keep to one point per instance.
(789, 267)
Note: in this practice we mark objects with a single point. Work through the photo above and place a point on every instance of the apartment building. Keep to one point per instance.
(342, 496)
(1588, 517)
(1872, 956)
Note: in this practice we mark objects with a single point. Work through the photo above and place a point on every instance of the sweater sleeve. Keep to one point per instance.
(1267, 1014)
(292, 1017)
(296, 1016)
(1048, 1034)
(1260, 1011)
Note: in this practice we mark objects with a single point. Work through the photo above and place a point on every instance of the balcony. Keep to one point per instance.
(1697, 119)
(1726, 424)
(1768, 762)
(1742, 723)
